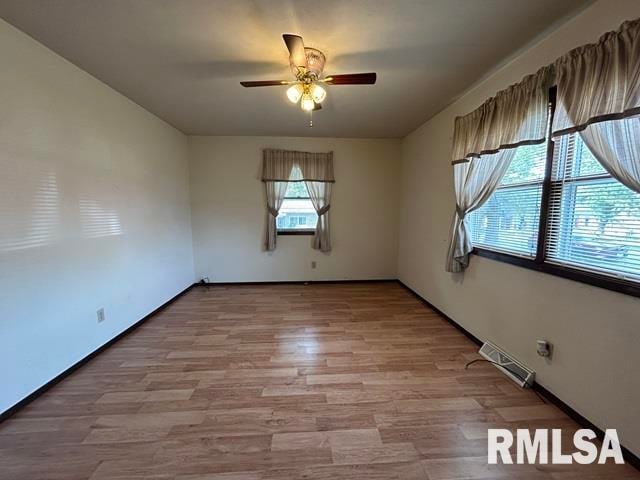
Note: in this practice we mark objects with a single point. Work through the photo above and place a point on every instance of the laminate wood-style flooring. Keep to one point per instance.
(320, 381)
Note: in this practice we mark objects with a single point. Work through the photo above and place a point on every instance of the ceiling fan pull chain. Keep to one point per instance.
(310, 118)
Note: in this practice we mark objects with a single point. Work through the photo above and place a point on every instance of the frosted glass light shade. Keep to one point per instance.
(294, 93)
(307, 102)
(318, 93)
(315, 61)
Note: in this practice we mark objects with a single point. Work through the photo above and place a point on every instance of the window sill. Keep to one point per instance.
(296, 232)
(597, 280)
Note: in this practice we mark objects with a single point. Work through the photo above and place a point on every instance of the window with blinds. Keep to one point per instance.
(509, 221)
(593, 220)
(590, 221)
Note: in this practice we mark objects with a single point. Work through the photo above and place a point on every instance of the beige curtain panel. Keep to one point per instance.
(315, 169)
(600, 81)
(515, 116)
(320, 194)
(275, 196)
(474, 183)
(616, 145)
(599, 97)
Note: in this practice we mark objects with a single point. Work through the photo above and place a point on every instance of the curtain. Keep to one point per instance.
(599, 97)
(599, 81)
(320, 194)
(515, 116)
(474, 183)
(275, 196)
(616, 145)
(484, 143)
(279, 167)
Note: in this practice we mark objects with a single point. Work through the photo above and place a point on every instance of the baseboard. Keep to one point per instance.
(629, 457)
(32, 396)
(295, 282)
(467, 333)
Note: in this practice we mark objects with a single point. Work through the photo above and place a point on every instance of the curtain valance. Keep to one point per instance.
(599, 81)
(515, 116)
(294, 166)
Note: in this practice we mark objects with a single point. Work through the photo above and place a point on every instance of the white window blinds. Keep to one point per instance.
(509, 221)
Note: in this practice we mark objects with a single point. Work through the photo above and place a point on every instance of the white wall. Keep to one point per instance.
(94, 212)
(228, 210)
(596, 332)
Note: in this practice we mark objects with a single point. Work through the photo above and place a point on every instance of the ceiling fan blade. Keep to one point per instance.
(317, 106)
(295, 45)
(264, 83)
(352, 79)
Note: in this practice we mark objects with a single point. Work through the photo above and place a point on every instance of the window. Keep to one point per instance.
(557, 210)
(510, 219)
(594, 220)
(297, 214)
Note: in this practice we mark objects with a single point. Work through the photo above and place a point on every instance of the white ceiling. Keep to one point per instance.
(183, 59)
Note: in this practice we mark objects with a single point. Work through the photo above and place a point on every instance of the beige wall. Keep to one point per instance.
(228, 210)
(596, 332)
(94, 212)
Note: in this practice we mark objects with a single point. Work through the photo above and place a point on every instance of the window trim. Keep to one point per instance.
(293, 231)
(582, 276)
(539, 263)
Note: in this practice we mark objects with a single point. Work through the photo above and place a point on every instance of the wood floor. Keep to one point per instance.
(350, 381)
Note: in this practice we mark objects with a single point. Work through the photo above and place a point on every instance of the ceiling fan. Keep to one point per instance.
(307, 64)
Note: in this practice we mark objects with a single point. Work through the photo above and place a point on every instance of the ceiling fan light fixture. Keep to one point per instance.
(307, 64)
(294, 93)
(307, 102)
(318, 93)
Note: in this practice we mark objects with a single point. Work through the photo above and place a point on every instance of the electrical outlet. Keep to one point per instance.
(543, 347)
(313, 264)
(100, 315)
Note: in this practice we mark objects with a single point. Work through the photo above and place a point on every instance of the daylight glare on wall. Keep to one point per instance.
(29, 205)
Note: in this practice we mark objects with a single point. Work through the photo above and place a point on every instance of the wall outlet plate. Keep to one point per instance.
(543, 347)
(100, 315)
